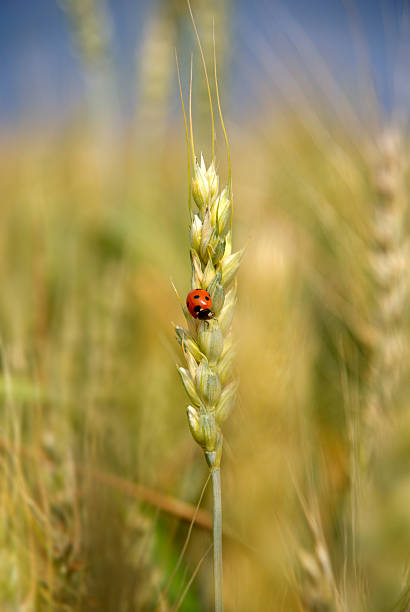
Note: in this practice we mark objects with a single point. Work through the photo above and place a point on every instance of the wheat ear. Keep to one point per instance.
(388, 264)
(207, 345)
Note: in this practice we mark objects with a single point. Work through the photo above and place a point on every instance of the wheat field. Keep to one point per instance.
(100, 478)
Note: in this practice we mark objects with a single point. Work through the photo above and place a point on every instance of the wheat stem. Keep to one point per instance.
(217, 538)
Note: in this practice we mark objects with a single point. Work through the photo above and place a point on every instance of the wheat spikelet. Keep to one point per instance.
(388, 266)
(155, 66)
(91, 28)
(207, 345)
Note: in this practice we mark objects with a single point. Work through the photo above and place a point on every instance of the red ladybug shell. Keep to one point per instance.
(199, 304)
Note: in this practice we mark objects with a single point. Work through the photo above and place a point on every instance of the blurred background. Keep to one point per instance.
(99, 475)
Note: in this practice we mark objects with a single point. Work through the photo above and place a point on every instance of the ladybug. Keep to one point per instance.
(199, 304)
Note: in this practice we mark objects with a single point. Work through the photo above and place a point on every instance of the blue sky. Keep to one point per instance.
(42, 78)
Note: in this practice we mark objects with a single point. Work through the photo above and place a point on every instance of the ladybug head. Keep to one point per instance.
(205, 314)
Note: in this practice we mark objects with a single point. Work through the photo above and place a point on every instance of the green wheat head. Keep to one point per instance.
(207, 345)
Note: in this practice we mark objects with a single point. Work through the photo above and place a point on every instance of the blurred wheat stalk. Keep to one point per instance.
(388, 260)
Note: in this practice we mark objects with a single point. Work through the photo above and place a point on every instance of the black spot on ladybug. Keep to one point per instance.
(196, 297)
(197, 308)
(207, 298)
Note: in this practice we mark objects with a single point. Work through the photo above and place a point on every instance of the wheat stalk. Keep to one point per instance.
(91, 27)
(207, 345)
(388, 264)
